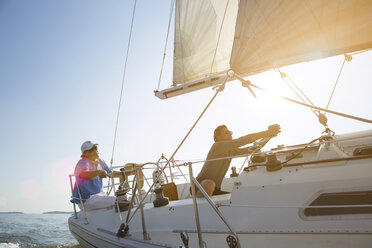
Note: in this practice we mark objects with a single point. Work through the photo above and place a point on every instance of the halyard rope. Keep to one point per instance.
(121, 92)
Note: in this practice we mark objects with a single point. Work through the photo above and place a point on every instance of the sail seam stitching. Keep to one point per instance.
(219, 36)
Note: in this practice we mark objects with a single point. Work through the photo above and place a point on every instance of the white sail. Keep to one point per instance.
(204, 33)
(271, 34)
(256, 36)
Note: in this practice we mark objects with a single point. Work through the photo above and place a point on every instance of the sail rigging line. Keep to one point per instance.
(298, 88)
(121, 95)
(301, 151)
(338, 77)
(308, 105)
(219, 36)
(358, 52)
(283, 76)
(218, 90)
(328, 111)
(166, 43)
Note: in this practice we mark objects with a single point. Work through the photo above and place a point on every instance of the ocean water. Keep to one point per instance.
(35, 230)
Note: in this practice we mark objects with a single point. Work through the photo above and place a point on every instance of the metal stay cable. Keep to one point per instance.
(166, 42)
(283, 76)
(121, 91)
(298, 88)
(219, 36)
(307, 105)
(218, 90)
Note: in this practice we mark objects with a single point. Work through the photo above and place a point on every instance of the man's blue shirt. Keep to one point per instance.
(88, 187)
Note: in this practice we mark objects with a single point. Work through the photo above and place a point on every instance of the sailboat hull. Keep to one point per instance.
(321, 199)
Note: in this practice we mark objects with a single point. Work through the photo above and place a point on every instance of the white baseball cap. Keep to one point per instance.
(87, 145)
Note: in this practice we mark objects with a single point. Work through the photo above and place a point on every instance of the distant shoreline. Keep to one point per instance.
(49, 212)
(11, 213)
(58, 212)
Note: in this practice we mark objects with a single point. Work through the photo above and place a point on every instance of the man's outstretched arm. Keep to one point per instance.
(271, 131)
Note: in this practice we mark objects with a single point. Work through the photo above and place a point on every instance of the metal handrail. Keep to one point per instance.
(80, 199)
(194, 183)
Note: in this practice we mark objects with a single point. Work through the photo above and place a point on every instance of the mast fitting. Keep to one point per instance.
(322, 119)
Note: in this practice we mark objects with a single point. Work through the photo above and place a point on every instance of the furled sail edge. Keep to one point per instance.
(195, 85)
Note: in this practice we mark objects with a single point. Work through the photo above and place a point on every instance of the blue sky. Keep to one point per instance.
(61, 67)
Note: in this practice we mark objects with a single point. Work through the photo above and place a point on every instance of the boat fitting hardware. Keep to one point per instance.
(160, 199)
(123, 231)
(121, 202)
(237, 183)
(144, 232)
(232, 241)
(185, 239)
(273, 164)
(233, 172)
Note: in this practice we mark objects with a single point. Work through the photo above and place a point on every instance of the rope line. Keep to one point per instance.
(362, 51)
(312, 106)
(334, 87)
(179, 146)
(290, 79)
(122, 83)
(166, 43)
(121, 93)
(302, 99)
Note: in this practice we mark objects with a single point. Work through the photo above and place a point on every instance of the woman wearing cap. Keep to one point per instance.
(89, 172)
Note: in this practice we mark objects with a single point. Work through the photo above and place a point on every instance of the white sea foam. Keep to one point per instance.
(9, 245)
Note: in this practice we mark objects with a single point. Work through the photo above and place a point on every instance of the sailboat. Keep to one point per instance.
(315, 194)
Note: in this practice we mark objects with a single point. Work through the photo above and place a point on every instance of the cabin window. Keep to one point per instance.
(341, 198)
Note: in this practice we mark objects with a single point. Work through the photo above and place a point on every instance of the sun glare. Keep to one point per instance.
(274, 88)
(58, 173)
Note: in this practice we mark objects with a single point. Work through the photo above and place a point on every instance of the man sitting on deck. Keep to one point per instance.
(213, 172)
(89, 172)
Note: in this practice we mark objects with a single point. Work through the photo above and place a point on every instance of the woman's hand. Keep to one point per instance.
(102, 174)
